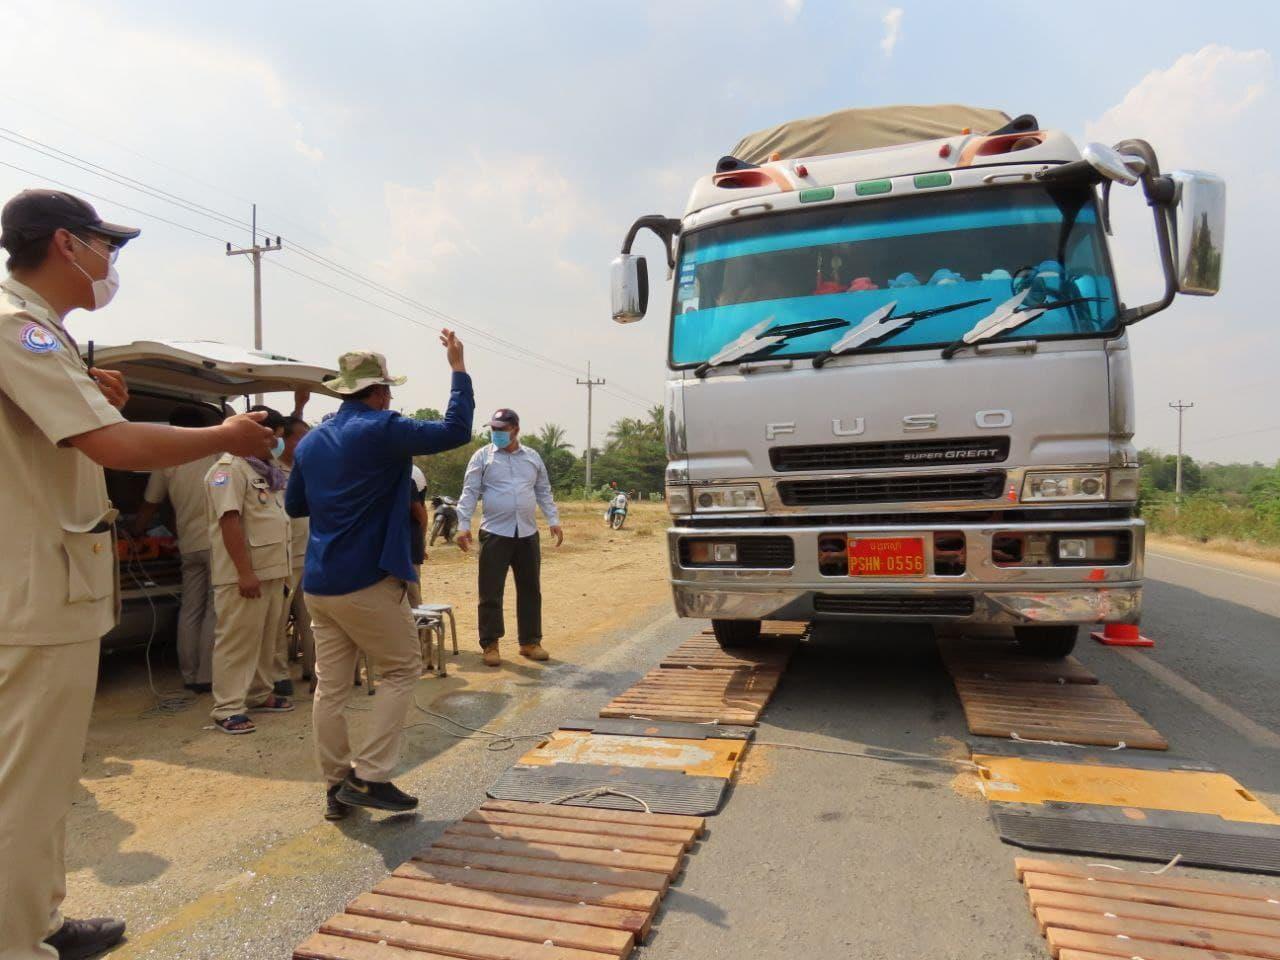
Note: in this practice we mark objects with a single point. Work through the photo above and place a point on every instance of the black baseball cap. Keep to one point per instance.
(504, 418)
(38, 213)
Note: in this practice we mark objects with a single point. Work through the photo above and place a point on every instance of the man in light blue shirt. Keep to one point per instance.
(511, 480)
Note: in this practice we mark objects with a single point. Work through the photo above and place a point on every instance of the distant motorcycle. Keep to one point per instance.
(444, 522)
(616, 515)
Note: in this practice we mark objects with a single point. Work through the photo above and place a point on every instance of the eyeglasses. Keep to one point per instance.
(113, 248)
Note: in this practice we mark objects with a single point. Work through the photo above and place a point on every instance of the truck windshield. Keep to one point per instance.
(922, 252)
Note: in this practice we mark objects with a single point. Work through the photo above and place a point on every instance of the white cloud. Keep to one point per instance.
(892, 21)
(1212, 110)
(791, 9)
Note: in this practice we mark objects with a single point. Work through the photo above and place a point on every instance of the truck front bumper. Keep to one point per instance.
(986, 593)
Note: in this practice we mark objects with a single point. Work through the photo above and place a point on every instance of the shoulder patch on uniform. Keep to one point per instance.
(36, 339)
(219, 479)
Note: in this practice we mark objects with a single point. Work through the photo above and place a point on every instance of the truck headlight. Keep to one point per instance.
(1091, 485)
(678, 500)
(728, 498)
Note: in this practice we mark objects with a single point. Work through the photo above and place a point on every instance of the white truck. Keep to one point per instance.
(899, 378)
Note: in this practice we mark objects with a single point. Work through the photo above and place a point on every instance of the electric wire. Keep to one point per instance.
(191, 206)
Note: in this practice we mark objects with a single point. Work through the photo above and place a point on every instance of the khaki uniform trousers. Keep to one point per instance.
(196, 619)
(47, 692)
(297, 604)
(244, 647)
(377, 622)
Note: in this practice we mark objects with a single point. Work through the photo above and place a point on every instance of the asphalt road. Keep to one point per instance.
(815, 855)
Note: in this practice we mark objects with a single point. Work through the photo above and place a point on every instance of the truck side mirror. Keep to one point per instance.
(629, 274)
(1199, 214)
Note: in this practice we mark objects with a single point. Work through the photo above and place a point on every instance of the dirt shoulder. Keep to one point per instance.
(1217, 553)
(170, 809)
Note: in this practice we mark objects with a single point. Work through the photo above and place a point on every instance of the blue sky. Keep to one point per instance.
(486, 159)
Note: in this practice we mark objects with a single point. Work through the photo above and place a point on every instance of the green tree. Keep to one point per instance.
(552, 444)
(427, 413)
(634, 455)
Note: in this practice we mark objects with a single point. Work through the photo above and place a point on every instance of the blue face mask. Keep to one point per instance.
(500, 438)
(278, 448)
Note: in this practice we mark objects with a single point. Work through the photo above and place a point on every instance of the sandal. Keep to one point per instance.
(235, 725)
(273, 704)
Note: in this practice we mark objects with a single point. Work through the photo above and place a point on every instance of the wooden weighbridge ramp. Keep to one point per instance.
(574, 878)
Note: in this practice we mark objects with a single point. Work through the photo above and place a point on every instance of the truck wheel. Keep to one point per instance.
(1046, 643)
(736, 633)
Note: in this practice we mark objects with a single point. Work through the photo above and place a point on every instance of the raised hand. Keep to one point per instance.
(453, 350)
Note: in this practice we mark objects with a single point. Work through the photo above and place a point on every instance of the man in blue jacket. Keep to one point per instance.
(351, 477)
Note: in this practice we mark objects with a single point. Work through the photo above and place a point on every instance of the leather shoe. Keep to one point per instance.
(334, 808)
(492, 658)
(81, 939)
(534, 651)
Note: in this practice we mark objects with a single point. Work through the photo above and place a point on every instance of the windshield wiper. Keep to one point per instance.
(881, 322)
(1003, 318)
(1009, 316)
(765, 338)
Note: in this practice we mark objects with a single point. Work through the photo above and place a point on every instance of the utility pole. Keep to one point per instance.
(1177, 483)
(255, 252)
(590, 385)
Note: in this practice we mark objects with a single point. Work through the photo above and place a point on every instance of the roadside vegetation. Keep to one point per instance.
(1235, 506)
(633, 455)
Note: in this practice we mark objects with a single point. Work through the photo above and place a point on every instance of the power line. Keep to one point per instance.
(198, 209)
(1243, 433)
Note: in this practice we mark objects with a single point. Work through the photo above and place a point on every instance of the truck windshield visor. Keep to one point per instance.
(921, 252)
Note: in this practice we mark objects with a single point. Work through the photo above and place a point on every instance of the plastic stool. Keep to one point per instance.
(442, 610)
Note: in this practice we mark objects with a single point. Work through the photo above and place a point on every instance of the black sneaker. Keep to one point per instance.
(80, 939)
(283, 688)
(334, 808)
(355, 792)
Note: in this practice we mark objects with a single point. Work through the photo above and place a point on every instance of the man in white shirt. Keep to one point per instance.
(511, 480)
(184, 487)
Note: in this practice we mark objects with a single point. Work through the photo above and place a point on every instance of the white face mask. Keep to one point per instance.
(104, 290)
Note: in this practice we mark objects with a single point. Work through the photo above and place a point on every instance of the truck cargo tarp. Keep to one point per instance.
(862, 129)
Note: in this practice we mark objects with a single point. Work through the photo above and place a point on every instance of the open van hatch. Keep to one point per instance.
(209, 370)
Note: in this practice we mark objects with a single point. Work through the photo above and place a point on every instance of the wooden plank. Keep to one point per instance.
(1157, 932)
(1176, 880)
(513, 927)
(660, 848)
(323, 946)
(686, 716)
(1137, 740)
(1112, 946)
(1149, 911)
(470, 946)
(552, 888)
(672, 821)
(586, 873)
(1161, 896)
(632, 921)
(665, 866)
(683, 836)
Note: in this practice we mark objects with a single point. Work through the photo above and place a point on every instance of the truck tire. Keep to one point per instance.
(1048, 642)
(736, 633)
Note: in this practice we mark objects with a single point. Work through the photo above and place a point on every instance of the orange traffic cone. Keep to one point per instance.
(1122, 635)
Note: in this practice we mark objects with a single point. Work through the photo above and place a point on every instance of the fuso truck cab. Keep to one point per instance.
(899, 379)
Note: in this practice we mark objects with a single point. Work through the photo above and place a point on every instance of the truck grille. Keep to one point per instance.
(898, 453)
(894, 605)
(917, 489)
(756, 553)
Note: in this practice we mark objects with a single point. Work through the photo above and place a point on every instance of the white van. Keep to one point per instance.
(162, 375)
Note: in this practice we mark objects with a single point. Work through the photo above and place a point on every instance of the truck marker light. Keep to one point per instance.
(944, 151)
(1012, 495)
(801, 170)
(870, 188)
(924, 181)
(815, 194)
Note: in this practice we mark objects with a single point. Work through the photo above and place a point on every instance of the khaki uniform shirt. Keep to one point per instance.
(60, 576)
(234, 487)
(300, 528)
(184, 486)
